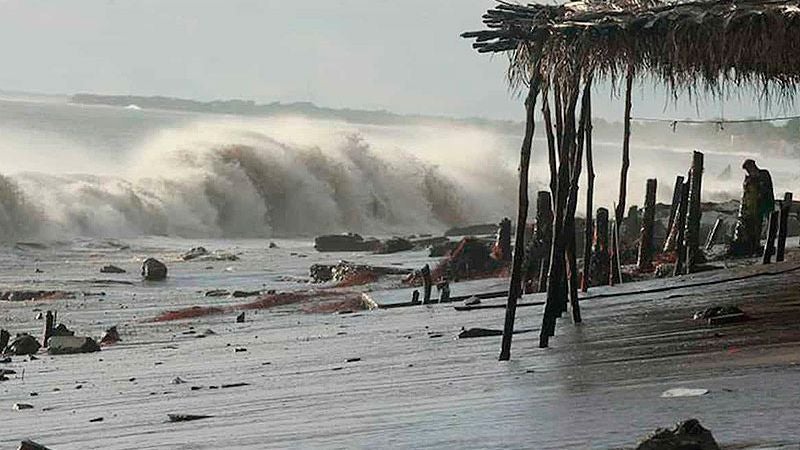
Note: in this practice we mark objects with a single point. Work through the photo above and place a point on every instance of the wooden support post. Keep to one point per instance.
(427, 284)
(557, 293)
(504, 240)
(772, 232)
(544, 235)
(415, 296)
(619, 211)
(598, 272)
(680, 224)
(589, 229)
(49, 324)
(693, 213)
(515, 287)
(786, 207)
(646, 244)
(669, 243)
(712, 236)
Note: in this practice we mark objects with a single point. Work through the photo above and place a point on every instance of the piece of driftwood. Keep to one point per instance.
(712, 236)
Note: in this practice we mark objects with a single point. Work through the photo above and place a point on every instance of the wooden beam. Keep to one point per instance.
(619, 213)
(515, 287)
(589, 229)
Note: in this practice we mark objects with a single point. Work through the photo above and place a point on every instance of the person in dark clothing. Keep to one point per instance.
(758, 201)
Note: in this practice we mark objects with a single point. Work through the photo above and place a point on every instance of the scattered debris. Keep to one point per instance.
(24, 344)
(61, 330)
(96, 419)
(685, 435)
(394, 245)
(243, 294)
(154, 270)
(194, 253)
(188, 313)
(21, 406)
(177, 380)
(240, 317)
(273, 245)
(472, 301)
(435, 335)
(349, 242)
(217, 293)
(478, 332)
(20, 296)
(239, 350)
(352, 360)
(345, 272)
(201, 254)
(186, 417)
(66, 345)
(112, 269)
(233, 385)
(111, 336)
(716, 315)
(683, 392)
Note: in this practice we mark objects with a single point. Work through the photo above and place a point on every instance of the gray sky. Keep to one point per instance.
(400, 55)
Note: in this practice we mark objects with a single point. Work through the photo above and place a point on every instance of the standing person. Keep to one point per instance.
(758, 201)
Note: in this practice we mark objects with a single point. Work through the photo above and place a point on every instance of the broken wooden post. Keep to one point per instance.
(515, 287)
(49, 324)
(444, 291)
(504, 240)
(415, 296)
(772, 232)
(783, 225)
(712, 236)
(680, 224)
(598, 272)
(538, 252)
(646, 245)
(693, 254)
(669, 243)
(427, 284)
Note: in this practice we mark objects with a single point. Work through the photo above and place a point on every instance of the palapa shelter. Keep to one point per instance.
(556, 51)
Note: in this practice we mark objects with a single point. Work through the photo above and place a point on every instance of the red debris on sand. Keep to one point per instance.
(188, 313)
(358, 278)
(348, 302)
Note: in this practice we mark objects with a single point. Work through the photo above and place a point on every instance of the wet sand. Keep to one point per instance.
(415, 385)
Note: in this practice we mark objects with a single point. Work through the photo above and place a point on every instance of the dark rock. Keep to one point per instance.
(687, 435)
(30, 445)
(153, 270)
(194, 253)
(240, 318)
(478, 332)
(395, 245)
(111, 269)
(24, 344)
(96, 419)
(349, 242)
(472, 301)
(243, 294)
(21, 406)
(19, 296)
(66, 345)
(273, 245)
(111, 336)
(61, 330)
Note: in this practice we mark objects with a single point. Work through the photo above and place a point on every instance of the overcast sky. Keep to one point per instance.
(400, 55)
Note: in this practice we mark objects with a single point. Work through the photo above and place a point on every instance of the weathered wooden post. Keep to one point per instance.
(669, 243)
(712, 236)
(444, 291)
(49, 324)
(515, 287)
(786, 207)
(598, 272)
(427, 284)
(646, 245)
(619, 210)
(772, 232)
(4, 337)
(504, 240)
(415, 296)
(680, 224)
(693, 213)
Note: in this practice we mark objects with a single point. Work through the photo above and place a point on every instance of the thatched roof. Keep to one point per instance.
(707, 45)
